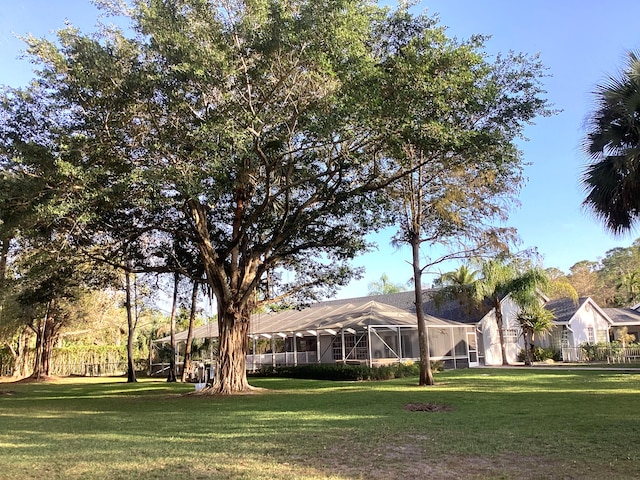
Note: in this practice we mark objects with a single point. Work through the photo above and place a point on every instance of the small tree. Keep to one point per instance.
(383, 286)
(464, 167)
(534, 320)
(48, 286)
(500, 279)
(193, 309)
(461, 277)
(624, 337)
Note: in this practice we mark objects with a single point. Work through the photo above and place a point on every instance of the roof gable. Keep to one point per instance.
(326, 318)
(452, 310)
(564, 309)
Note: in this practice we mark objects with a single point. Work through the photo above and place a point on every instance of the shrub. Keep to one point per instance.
(541, 354)
(599, 352)
(339, 371)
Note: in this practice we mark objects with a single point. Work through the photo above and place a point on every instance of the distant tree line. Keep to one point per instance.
(612, 281)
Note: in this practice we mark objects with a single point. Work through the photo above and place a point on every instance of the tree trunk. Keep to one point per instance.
(131, 324)
(4, 253)
(15, 357)
(231, 364)
(186, 367)
(172, 376)
(37, 362)
(233, 311)
(531, 346)
(527, 350)
(20, 355)
(47, 346)
(499, 322)
(426, 375)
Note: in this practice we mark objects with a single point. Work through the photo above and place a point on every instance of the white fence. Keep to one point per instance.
(611, 353)
(254, 362)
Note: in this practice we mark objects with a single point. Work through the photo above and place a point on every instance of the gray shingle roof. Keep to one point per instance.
(324, 317)
(564, 308)
(449, 310)
(623, 316)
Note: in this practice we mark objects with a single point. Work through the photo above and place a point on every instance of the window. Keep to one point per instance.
(355, 347)
(557, 338)
(511, 335)
(591, 338)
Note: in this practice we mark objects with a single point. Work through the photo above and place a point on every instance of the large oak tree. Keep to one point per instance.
(258, 133)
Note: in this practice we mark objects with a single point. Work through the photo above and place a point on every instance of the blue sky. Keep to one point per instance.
(580, 42)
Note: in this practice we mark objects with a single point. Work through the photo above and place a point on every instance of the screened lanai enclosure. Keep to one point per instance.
(353, 333)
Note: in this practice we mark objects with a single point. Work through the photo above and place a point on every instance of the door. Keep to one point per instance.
(472, 349)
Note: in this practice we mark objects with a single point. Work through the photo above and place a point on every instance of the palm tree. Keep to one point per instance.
(384, 286)
(457, 285)
(630, 285)
(612, 179)
(460, 277)
(500, 279)
(534, 320)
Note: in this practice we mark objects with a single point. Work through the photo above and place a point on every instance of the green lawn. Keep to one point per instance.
(502, 424)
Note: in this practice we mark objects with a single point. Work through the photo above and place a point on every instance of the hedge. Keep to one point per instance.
(339, 371)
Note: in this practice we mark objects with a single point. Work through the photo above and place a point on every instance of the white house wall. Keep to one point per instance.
(491, 336)
(586, 317)
(551, 339)
(491, 340)
(510, 318)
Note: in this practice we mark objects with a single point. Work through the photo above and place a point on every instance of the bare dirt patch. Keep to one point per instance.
(42, 379)
(411, 456)
(428, 407)
(412, 459)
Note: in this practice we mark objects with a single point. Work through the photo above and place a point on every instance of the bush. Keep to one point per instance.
(541, 354)
(339, 371)
(599, 352)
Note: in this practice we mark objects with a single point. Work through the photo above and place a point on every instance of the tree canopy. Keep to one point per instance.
(612, 142)
(262, 137)
(383, 286)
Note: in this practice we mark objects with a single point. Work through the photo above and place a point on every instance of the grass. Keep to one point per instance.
(505, 423)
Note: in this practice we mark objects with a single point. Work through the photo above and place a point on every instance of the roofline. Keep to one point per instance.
(602, 312)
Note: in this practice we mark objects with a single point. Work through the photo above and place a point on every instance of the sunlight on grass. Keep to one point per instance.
(307, 429)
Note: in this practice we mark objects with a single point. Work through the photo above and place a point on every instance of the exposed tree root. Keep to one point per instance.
(34, 379)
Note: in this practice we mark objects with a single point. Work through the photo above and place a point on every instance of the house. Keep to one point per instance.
(575, 323)
(624, 317)
(364, 330)
(451, 311)
(380, 329)
(481, 318)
